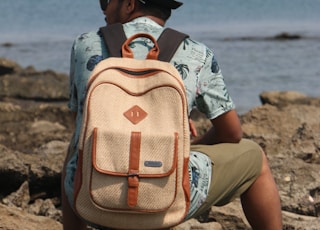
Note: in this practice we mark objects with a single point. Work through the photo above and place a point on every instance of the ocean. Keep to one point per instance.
(242, 34)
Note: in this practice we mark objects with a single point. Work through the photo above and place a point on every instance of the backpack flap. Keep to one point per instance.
(137, 170)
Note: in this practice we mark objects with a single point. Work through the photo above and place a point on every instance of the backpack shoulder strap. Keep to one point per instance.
(169, 41)
(114, 37)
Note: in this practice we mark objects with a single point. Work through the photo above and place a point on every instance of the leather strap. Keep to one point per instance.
(133, 174)
(169, 41)
(114, 37)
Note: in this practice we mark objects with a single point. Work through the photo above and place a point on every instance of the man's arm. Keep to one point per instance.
(225, 129)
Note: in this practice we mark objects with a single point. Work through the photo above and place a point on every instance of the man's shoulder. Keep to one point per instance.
(88, 37)
(195, 43)
(194, 50)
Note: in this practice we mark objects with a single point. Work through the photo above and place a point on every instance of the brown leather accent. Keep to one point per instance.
(114, 37)
(94, 146)
(135, 114)
(168, 49)
(133, 177)
(133, 188)
(186, 182)
(153, 53)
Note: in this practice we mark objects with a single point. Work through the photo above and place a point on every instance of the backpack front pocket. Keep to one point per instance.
(142, 176)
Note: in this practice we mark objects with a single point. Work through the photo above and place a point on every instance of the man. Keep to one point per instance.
(222, 165)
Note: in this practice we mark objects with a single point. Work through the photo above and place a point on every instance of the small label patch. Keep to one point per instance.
(153, 164)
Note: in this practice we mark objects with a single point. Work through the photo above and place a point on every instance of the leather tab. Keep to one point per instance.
(133, 177)
(133, 189)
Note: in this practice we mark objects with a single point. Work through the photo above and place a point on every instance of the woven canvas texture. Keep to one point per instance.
(106, 143)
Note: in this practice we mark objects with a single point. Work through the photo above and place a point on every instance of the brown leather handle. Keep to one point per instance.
(153, 53)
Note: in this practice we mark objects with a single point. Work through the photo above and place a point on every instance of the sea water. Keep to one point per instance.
(241, 33)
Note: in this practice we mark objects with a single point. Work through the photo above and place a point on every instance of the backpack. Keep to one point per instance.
(132, 169)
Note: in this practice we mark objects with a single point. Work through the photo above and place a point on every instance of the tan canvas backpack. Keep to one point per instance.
(132, 170)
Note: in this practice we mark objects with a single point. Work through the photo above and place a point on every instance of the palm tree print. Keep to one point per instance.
(186, 43)
(183, 70)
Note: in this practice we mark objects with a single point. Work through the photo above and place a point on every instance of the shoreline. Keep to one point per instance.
(250, 64)
(245, 101)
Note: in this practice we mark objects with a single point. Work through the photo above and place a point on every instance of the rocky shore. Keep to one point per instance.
(36, 125)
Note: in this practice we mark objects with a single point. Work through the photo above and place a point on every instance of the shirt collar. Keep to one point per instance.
(144, 20)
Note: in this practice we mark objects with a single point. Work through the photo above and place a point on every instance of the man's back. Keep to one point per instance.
(194, 61)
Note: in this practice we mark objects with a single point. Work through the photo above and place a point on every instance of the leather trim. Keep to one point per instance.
(186, 183)
(94, 146)
(133, 174)
(153, 52)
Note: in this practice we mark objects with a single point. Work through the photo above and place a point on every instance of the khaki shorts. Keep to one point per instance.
(234, 168)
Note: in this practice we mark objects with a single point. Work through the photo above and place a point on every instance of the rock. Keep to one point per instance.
(20, 198)
(44, 86)
(231, 216)
(287, 36)
(7, 44)
(14, 218)
(295, 221)
(281, 99)
(28, 83)
(42, 123)
(13, 171)
(8, 66)
(284, 36)
(193, 224)
(48, 209)
(42, 169)
(45, 126)
(287, 131)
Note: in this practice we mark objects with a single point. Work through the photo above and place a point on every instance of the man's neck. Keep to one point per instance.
(153, 18)
(157, 20)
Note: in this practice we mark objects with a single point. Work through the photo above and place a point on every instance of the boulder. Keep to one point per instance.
(31, 84)
(8, 66)
(15, 218)
(281, 99)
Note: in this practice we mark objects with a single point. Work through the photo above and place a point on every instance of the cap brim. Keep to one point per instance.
(172, 4)
(176, 4)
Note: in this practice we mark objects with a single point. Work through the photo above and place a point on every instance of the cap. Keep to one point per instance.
(172, 4)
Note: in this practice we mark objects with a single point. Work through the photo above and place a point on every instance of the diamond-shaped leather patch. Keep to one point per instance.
(135, 114)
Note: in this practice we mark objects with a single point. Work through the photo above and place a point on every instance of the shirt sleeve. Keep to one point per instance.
(212, 96)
